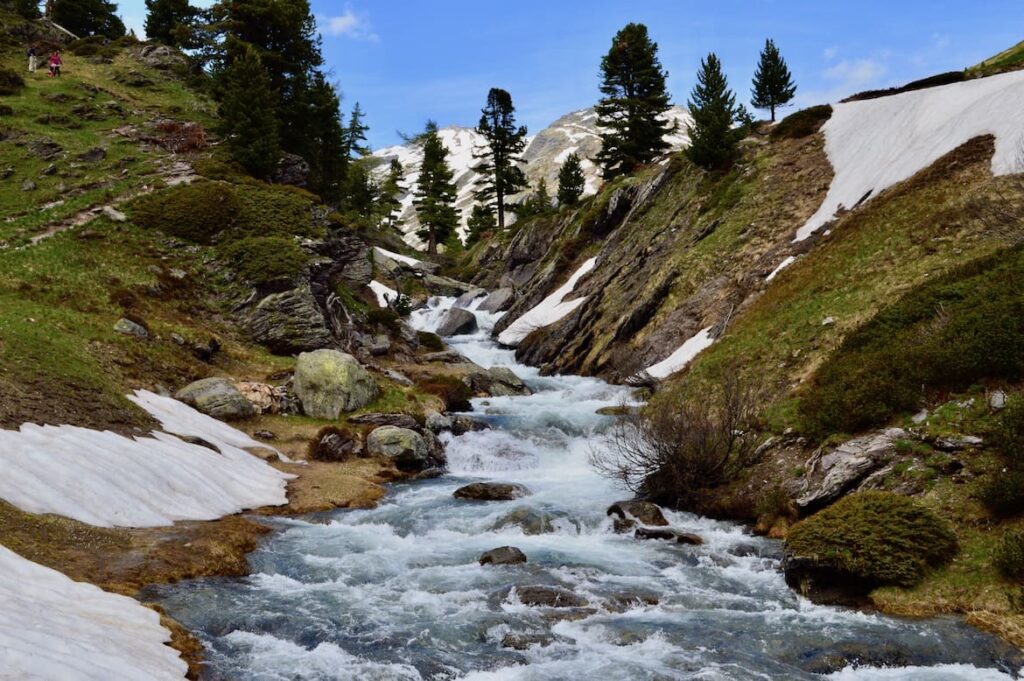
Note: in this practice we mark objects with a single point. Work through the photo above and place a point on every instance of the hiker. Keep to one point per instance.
(55, 63)
(32, 58)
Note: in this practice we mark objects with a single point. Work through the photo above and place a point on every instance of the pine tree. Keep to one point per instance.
(27, 9)
(247, 120)
(435, 192)
(631, 113)
(355, 133)
(88, 17)
(391, 189)
(170, 22)
(481, 221)
(324, 145)
(714, 142)
(571, 181)
(537, 203)
(773, 83)
(501, 177)
(362, 195)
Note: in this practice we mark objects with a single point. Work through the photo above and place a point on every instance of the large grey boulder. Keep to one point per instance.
(497, 382)
(492, 491)
(329, 382)
(217, 397)
(457, 322)
(831, 474)
(289, 322)
(644, 512)
(498, 301)
(407, 448)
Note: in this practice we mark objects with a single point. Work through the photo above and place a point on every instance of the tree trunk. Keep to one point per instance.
(500, 196)
(432, 243)
(773, 113)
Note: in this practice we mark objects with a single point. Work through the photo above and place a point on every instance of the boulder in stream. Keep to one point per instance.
(668, 535)
(457, 322)
(645, 512)
(492, 491)
(405, 447)
(542, 596)
(503, 555)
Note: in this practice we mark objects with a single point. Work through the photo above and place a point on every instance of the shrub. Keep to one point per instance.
(803, 123)
(1003, 494)
(1008, 557)
(10, 82)
(453, 392)
(684, 443)
(266, 261)
(198, 212)
(95, 46)
(878, 537)
(430, 341)
(384, 316)
(333, 444)
(1008, 434)
(946, 334)
(265, 209)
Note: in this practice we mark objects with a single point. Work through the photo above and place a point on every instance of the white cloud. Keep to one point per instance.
(855, 74)
(349, 24)
(830, 53)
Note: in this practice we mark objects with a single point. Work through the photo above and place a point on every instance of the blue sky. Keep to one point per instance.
(409, 60)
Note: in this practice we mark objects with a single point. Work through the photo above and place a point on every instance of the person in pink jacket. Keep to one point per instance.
(55, 63)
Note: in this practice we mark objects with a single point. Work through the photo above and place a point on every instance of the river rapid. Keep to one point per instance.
(396, 592)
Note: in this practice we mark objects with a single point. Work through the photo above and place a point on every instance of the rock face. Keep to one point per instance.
(289, 322)
(291, 169)
(492, 491)
(329, 382)
(407, 448)
(504, 555)
(831, 474)
(498, 301)
(160, 57)
(642, 511)
(217, 397)
(457, 322)
(549, 597)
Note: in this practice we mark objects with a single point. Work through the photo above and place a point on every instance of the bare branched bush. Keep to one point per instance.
(673, 449)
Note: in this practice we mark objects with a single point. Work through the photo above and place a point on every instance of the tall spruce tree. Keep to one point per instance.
(324, 145)
(355, 133)
(247, 120)
(773, 83)
(391, 190)
(435, 191)
(88, 17)
(714, 141)
(501, 176)
(631, 112)
(171, 22)
(481, 221)
(571, 181)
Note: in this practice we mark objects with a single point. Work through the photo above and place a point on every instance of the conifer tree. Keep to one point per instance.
(88, 17)
(501, 176)
(773, 83)
(481, 220)
(171, 22)
(631, 112)
(27, 9)
(247, 120)
(435, 191)
(355, 133)
(537, 203)
(571, 181)
(323, 146)
(714, 142)
(391, 189)
(362, 195)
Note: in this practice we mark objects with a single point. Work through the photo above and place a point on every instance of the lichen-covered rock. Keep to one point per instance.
(831, 474)
(217, 397)
(289, 322)
(129, 328)
(407, 448)
(457, 322)
(329, 382)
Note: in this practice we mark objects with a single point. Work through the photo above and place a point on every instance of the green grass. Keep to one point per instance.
(1007, 60)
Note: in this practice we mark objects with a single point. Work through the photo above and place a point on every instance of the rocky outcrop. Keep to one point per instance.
(217, 397)
(492, 491)
(643, 512)
(498, 301)
(504, 555)
(833, 473)
(289, 322)
(329, 382)
(159, 56)
(407, 448)
(291, 169)
(457, 322)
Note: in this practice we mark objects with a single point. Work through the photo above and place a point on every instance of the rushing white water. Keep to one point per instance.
(397, 593)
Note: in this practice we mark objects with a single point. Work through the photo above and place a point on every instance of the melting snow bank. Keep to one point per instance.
(383, 293)
(782, 265)
(108, 480)
(54, 628)
(549, 311)
(876, 143)
(678, 360)
(398, 257)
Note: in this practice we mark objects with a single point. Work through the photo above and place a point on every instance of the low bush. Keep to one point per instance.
(384, 316)
(453, 392)
(198, 212)
(95, 46)
(10, 82)
(1008, 434)
(803, 123)
(1008, 557)
(267, 262)
(430, 341)
(266, 209)
(877, 537)
(946, 334)
(1003, 493)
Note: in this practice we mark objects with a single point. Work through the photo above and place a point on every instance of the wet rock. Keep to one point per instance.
(834, 659)
(492, 491)
(405, 447)
(824, 584)
(831, 474)
(623, 525)
(541, 596)
(521, 641)
(466, 299)
(129, 328)
(504, 555)
(288, 323)
(217, 397)
(629, 601)
(457, 322)
(643, 511)
(668, 535)
(329, 382)
(498, 301)
(462, 424)
(378, 419)
(497, 382)
(529, 520)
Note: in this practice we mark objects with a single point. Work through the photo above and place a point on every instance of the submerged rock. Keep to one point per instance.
(521, 641)
(668, 535)
(217, 397)
(529, 520)
(492, 491)
(329, 382)
(645, 512)
(503, 555)
(548, 597)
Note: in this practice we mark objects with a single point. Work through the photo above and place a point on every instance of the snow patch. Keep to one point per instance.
(383, 293)
(678, 360)
(877, 143)
(54, 628)
(549, 311)
(782, 265)
(108, 480)
(398, 257)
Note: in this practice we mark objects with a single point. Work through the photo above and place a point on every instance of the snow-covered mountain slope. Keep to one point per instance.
(877, 143)
(576, 133)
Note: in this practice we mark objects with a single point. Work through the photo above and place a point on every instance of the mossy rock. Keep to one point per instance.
(198, 212)
(267, 262)
(869, 539)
